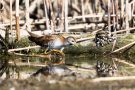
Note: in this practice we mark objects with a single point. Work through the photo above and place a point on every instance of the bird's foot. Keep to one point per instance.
(46, 52)
(58, 52)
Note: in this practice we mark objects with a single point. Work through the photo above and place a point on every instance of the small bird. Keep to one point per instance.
(52, 42)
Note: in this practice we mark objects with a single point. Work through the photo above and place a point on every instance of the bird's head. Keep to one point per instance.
(71, 40)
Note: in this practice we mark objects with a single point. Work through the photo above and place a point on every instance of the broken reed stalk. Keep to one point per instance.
(27, 15)
(66, 15)
(109, 18)
(116, 8)
(46, 15)
(113, 8)
(25, 48)
(120, 31)
(17, 21)
(61, 4)
(52, 15)
(114, 44)
(122, 10)
(127, 49)
(124, 62)
(126, 46)
(82, 8)
(11, 15)
(127, 23)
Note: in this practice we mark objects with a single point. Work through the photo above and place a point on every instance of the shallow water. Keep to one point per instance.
(73, 61)
(79, 63)
(84, 64)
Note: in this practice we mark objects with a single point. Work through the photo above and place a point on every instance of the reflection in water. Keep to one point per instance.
(104, 69)
(83, 60)
(86, 61)
(7, 68)
(90, 60)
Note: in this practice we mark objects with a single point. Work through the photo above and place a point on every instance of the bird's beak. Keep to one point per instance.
(76, 45)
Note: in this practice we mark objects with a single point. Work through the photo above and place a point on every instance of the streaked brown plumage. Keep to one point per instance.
(52, 42)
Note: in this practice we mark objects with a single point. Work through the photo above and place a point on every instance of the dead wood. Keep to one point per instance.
(122, 48)
(124, 62)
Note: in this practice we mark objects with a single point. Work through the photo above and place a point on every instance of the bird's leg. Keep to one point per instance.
(46, 50)
(57, 52)
(59, 56)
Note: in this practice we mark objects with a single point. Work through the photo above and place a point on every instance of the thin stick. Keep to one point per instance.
(82, 8)
(27, 15)
(128, 48)
(114, 23)
(122, 11)
(27, 64)
(113, 8)
(120, 31)
(114, 44)
(45, 10)
(17, 20)
(60, 19)
(11, 15)
(18, 49)
(117, 50)
(66, 15)
(116, 8)
(36, 55)
(52, 15)
(124, 62)
(127, 24)
(109, 8)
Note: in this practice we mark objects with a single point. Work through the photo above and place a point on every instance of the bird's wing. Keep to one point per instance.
(62, 38)
(44, 40)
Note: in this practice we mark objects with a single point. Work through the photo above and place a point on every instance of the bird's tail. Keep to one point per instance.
(32, 34)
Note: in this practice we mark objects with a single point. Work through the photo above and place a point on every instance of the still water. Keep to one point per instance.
(85, 64)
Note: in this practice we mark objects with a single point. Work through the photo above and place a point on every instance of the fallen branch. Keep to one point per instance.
(25, 48)
(124, 62)
(120, 31)
(126, 50)
(84, 39)
(117, 50)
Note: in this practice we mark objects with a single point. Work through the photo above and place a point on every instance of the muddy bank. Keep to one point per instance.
(42, 83)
